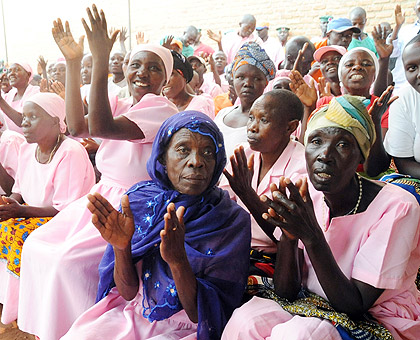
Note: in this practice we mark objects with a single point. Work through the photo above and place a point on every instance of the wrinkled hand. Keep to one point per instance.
(379, 36)
(65, 41)
(293, 213)
(167, 41)
(58, 88)
(307, 94)
(116, 228)
(217, 37)
(399, 16)
(380, 105)
(242, 172)
(90, 145)
(324, 88)
(172, 247)
(99, 42)
(140, 38)
(9, 208)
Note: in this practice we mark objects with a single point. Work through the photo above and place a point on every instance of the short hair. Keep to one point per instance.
(413, 41)
(358, 11)
(287, 102)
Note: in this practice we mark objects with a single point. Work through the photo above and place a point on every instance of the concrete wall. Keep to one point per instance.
(28, 22)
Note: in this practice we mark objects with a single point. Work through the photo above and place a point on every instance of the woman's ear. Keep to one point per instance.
(292, 125)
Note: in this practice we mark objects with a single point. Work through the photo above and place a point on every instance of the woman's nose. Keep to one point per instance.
(195, 160)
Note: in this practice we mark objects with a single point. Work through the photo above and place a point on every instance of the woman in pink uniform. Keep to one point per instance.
(20, 74)
(52, 172)
(346, 263)
(59, 275)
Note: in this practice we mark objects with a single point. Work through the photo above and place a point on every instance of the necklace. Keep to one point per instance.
(53, 151)
(352, 211)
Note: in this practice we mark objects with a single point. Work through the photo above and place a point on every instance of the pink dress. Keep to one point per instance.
(115, 318)
(211, 88)
(203, 104)
(68, 177)
(17, 105)
(10, 142)
(379, 246)
(232, 42)
(60, 261)
(291, 163)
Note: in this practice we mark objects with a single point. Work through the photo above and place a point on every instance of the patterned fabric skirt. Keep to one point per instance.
(13, 234)
(261, 271)
(312, 305)
(412, 185)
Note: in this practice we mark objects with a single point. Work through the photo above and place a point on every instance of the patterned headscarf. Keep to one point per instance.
(253, 54)
(348, 113)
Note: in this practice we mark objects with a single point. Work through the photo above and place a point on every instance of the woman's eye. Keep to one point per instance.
(263, 120)
(154, 68)
(208, 152)
(411, 68)
(366, 64)
(349, 64)
(251, 118)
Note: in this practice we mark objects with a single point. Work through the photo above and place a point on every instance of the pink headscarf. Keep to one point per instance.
(27, 68)
(161, 51)
(52, 104)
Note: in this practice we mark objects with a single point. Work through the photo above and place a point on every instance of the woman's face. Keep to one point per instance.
(18, 77)
(37, 124)
(411, 59)
(175, 85)
(116, 63)
(358, 72)
(86, 71)
(190, 160)
(249, 83)
(145, 74)
(332, 156)
(4, 83)
(329, 65)
(58, 72)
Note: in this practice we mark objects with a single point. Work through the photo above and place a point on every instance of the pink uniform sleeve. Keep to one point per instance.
(389, 252)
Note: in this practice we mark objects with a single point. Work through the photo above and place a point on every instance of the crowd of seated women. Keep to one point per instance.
(162, 193)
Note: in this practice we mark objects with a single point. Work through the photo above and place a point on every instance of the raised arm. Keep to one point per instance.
(217, 37)
(296, 216)
(117, 229)
(384, 51)
(101, 122)
(77, 124)
(172, 250)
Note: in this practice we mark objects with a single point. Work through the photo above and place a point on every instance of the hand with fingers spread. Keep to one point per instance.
(383, 49)
(399, 16)
(123, 34)
(42, 63)
(58, 88)
(242, 173)
(307, 94)
(380, 105)
(140, 38)
(172, 247)
(100, 43)
(217, 37)
(116, 228)
(65, 41)
(293, 213)
(167, 41)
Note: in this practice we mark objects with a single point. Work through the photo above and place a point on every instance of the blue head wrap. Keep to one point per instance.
(217, 237)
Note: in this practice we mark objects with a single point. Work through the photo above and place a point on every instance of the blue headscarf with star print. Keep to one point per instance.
(217, 237)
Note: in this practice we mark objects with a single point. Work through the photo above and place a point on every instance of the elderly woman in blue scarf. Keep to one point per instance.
(348, 247)
(251, 72)
(177, 260)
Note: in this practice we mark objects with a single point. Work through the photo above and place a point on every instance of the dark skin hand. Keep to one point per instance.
(118, 228)
(378, 160)
(294, 213)
(384, 51)
(240, 182)
(6, 181)
(12, 207)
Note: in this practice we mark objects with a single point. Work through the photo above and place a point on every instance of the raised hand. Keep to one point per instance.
(380, 35)
(242, 172)
(172, 247)
(123, 34)
(9, 208)
(324, 88)
(65, 41)
(307, 94)
(42, 63)
(140, 38)
(116, 228)
(167, 41)
(217, 37)
(99, 42)
(381, 104)
(399, 16)
(299, 58)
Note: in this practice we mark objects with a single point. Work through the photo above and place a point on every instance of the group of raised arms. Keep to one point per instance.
(266, 187)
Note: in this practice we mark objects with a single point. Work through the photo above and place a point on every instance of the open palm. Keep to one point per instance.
(65, 41)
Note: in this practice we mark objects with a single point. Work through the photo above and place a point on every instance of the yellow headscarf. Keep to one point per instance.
(348, 113)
